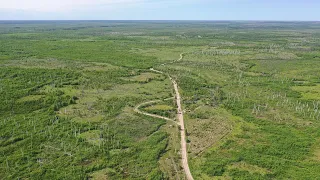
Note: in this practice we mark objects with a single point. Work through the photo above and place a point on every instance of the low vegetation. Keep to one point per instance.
(250, 92)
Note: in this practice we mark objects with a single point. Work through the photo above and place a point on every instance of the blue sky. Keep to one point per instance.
(160, 10)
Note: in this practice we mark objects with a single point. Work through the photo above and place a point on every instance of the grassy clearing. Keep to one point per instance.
(243, 166)
(160, 108)
(163, 108)
(309, 92)
(206, 126)
(30, 98)
(145, 77)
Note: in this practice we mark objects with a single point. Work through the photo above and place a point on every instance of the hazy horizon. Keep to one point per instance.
(165, 20)
(203, 10)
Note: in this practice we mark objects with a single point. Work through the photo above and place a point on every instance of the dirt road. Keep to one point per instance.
(184, 154)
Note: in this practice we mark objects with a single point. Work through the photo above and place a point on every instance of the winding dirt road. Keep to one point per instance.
(184, 154)
(137, 109)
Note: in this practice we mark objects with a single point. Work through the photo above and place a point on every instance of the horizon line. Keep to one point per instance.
(155, 20)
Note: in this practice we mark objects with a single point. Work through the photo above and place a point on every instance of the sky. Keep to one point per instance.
(281, 10)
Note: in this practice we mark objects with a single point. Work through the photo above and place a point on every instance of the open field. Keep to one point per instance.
(250, 94)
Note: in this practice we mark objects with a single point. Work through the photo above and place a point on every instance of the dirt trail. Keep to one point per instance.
(136, 109)
(184, 154)
(181, 56)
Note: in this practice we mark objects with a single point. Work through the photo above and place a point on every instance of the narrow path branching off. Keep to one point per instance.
(184, 154)
(137, 109)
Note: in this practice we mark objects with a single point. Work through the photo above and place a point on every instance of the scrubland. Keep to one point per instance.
(250, 94)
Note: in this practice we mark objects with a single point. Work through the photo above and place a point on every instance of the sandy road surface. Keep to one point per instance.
(184, 154)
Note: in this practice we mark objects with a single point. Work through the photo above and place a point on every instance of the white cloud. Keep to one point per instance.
(60, 5)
